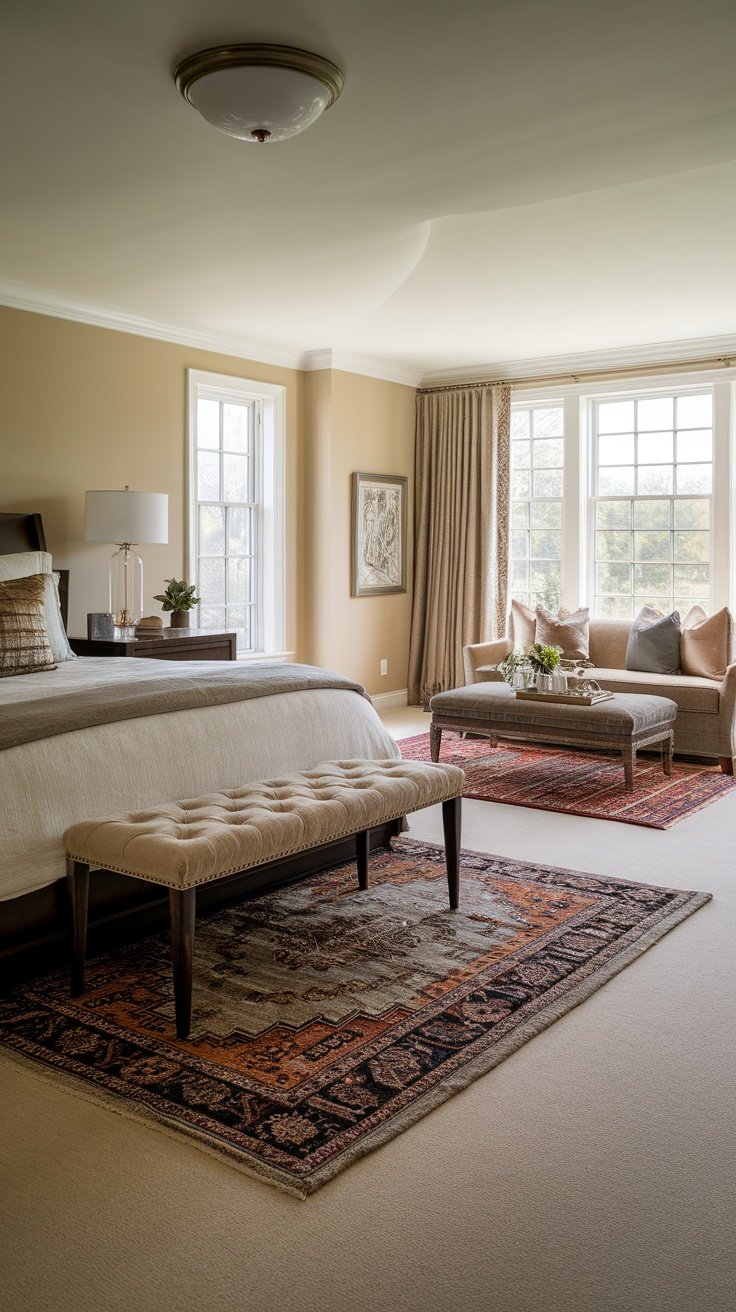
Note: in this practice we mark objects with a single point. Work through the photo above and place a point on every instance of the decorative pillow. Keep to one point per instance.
(568, 630)
(522, 625)
(24, 644)
(654, 643)
(21, 564)
(705, 643)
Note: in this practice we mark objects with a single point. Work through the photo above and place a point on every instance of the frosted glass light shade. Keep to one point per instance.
(259, 92)
(246, 101)
(118, 516)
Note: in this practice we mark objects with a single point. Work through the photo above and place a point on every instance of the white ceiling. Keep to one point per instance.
(501, 179)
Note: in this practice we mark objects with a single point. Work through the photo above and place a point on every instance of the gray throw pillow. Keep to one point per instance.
(654, 643)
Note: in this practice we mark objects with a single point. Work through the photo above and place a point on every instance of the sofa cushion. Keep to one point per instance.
(567, 630)
(608, 640)
(654, 643)
(691, 694)
(705, 643)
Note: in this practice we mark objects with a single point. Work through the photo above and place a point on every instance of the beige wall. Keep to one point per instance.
(353, 423)
(84, 407)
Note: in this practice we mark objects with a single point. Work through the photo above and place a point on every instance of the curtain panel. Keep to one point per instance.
(461, 528)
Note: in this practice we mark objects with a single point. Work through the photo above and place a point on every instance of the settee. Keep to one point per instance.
(706, 708)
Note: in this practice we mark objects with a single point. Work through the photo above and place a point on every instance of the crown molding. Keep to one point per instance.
(38, 300)
(654, 353)
(370, 366)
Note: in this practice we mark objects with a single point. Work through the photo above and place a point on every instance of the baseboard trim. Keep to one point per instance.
(384, 701)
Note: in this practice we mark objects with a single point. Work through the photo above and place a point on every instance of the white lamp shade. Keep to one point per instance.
(126, 517)
(241, 101)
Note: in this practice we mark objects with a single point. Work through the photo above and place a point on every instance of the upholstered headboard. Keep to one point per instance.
(20, 532)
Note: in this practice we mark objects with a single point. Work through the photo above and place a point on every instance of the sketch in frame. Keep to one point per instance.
(379, 534)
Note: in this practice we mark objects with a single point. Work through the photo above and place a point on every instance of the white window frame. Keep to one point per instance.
(577, 400)
(593, 469)
(270, 494)
(521, 403)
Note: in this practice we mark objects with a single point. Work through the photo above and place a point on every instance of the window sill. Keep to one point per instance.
(254, 656)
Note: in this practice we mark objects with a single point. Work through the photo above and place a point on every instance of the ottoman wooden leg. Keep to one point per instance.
(451, 825)
(182, 904)
(668, 747)
(629, 755)
(362, 843)
(435, 739)
(77, 882)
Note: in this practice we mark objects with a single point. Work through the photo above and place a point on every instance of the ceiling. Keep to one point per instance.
(501, 179)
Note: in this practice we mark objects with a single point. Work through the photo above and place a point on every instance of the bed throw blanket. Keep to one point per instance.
(183, 688)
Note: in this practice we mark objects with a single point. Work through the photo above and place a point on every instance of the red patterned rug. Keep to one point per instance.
(327, 1020)
(576, 783)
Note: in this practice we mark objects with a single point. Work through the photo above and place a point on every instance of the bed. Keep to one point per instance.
(59, 765)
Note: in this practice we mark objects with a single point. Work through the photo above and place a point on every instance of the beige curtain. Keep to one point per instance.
(461, 521)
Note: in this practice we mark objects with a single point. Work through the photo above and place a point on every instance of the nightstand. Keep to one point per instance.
(172, 645)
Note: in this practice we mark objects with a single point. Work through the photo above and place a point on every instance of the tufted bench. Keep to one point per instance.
(184, 844)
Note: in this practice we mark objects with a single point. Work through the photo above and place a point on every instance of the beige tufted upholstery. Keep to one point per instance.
(184, 844)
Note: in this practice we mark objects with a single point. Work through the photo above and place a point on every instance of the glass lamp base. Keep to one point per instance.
(126, 589)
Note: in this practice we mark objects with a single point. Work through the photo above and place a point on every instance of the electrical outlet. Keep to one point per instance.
(384, 667)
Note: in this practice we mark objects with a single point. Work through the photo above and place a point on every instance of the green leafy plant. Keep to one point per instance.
(516, 660)
(543, 659)
(179, 595)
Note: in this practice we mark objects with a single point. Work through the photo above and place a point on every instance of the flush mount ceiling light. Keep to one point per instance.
(259, 92)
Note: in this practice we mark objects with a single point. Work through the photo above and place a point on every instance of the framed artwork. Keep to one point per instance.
(379, 534)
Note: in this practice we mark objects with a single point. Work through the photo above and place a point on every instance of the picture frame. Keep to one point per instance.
(379, 534)
(100, 626)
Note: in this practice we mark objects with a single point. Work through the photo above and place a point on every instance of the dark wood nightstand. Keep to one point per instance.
(173, 645)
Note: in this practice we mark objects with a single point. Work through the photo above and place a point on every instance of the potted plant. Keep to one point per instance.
(544, 659)
(178, 598)
(517, 662)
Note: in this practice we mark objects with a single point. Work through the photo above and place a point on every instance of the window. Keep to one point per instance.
(537, 459)
(624, 494)
(652, 513)
(236, 508)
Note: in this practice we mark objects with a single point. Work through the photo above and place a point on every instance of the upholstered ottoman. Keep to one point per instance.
(625, 723)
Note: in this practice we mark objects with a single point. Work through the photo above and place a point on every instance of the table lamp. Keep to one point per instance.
(126, 518)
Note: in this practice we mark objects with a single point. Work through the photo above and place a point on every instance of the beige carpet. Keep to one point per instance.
(592, 1171)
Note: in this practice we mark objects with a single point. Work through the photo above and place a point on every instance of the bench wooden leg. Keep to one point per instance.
(435, 740)
(668, 748)
(182, 905)
(451, 812)
(362, 844)
(628, 751)
(77, 882)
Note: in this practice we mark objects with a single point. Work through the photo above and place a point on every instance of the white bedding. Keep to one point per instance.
(46, 786)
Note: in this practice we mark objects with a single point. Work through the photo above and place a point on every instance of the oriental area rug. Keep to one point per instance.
(576, 783)
(327, 1020)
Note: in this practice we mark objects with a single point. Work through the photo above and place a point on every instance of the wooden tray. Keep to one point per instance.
(577, 699)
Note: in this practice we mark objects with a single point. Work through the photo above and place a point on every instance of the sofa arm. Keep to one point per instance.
(484, 653)
(727, 710)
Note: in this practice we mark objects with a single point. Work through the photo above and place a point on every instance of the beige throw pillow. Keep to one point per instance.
(568, 630)
(705, 643)
(24, 643)
(522, 625)
(19, 565)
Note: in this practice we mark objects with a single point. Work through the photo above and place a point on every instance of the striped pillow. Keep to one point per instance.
(24, 642)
